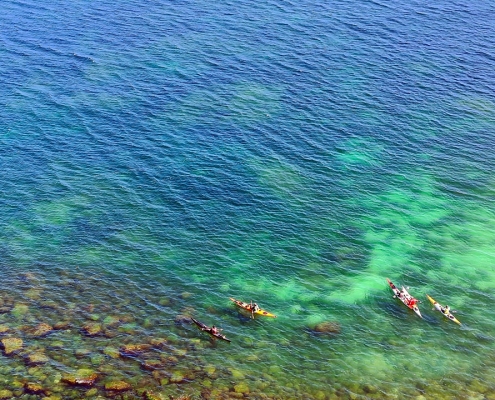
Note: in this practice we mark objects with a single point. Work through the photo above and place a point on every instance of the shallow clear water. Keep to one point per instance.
(158, 158)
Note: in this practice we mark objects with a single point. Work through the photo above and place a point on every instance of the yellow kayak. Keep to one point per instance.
(248, 307)
(443, 310)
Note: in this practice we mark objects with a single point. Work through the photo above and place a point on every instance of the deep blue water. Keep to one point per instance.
(291, 153)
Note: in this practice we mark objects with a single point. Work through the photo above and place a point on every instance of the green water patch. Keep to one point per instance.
(395, 231)
(60, 212)
(359, 151)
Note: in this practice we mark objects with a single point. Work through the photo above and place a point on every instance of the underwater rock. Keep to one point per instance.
(180, 352)
(130, 350)
(91, 393)
(4, 329)
(210, 370)
(236, 374)
(61, 325)
(42, 329)
(182, 319)
(91, 329)
(117, 386)
(80, 353)
(34, 388)
(29, 277)
(19, 310)
(82, 377)
(11, 345)
(94, 317)
(36, 358)
(327, 327)
(6, 394)
(33, 294)
(178, 377)
(170, 360)
(50, 304)
(147, 395)
(129, 328)
(164, 301)
(241, 387)
(159, 342)
(111, 321)
(151, 365)
(111, 352)
(110, 333)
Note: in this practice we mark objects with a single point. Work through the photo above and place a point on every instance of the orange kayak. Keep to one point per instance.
(247, 307)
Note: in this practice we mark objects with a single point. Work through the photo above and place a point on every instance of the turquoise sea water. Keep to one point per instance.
(157, 158)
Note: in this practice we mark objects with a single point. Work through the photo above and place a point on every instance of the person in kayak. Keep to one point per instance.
(215, 330)
(446, 310)
(412, 302)
(255, 307)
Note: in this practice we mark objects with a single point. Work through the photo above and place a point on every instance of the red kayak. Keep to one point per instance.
(207, 329)
(404, 296)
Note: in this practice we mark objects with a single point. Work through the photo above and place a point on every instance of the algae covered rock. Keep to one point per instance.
(147, 395)
(178, 377)
(80, 353)
(111, 352)
(20, 310)
(111, 321)
(134, 349)
(151, 365)
(34, 388)
(82, 377)
(117, 386)
(61, 325)
(92, 329)
(11, 345)
(42, 329)
(4, 329)
(6, 394)
(36, 358)
(241, 387)
(327, 327)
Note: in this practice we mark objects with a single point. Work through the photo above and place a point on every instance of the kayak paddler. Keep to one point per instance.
(412, 302)
(215, 330)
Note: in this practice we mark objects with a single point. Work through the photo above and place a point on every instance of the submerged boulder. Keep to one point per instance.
(11, 345)
(151, 365)
(6, 394)
(327, 328)
(61, 325)
(35, 388)
(117, 386)
(92, 329)
(147, 395)
(130, 350)
(42, 329)
(82, 377)
(36, 358)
